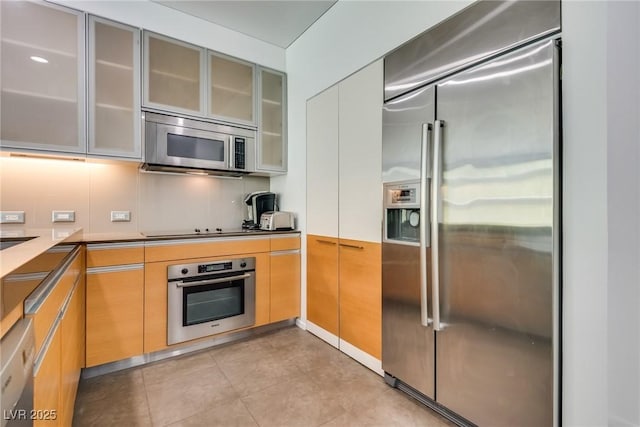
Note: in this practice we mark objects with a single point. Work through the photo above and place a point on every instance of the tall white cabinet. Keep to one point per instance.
(344, 158)
(360, 155)
(344, 215)
(322, 163)
(43, 77)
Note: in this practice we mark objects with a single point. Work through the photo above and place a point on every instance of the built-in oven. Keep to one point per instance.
(208, 298)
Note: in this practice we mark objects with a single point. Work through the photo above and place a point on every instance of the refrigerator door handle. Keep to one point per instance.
(436, 182)
(424, 223)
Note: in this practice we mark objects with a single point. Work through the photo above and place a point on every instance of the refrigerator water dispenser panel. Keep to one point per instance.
(402, 213)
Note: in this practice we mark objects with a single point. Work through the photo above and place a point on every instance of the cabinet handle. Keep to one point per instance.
(326, 242)
(351, 246)
(290, 252)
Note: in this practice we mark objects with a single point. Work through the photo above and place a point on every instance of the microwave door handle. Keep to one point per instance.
(230, 153)
(212, 281)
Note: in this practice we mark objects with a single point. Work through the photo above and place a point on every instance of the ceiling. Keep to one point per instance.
(276, 22)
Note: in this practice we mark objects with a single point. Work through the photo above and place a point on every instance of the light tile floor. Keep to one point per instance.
(287, 378)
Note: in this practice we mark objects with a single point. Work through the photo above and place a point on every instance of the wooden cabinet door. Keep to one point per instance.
(115, 310)
(322, 282)
(361, 295)
(285, 285)
(46, 384)
(72, 356)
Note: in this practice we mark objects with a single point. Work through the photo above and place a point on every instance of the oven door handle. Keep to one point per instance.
(212, 281)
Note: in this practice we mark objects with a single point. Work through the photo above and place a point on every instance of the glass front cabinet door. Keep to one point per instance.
(173, 75)
(114, 89)
(231, 89)
(43, 77)
(272, 145)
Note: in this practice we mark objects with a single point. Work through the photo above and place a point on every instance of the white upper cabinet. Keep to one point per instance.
(231, 89)
(43, 77)
(272, 140)
(114, 89)
(361, 154)
(174, 75)
(322, 163)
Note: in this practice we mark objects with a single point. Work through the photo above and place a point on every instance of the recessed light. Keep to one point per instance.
(39, 59)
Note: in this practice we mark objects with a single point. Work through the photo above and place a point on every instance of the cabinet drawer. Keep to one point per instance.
(46, 313)
(46, 382)
(285, 242)
(168, 250)
(103, 255)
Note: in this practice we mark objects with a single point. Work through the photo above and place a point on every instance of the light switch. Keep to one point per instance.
(63, 216)
(120, 216)
(12, 217)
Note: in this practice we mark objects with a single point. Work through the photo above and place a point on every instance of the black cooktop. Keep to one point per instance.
(204, 232)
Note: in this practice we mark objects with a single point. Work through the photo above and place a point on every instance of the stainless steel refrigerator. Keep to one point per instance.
(470, 253)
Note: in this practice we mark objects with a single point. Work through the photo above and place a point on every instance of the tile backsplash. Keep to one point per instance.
(157, 202)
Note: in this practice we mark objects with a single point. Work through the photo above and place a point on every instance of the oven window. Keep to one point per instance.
(212, 302)
(195, 148)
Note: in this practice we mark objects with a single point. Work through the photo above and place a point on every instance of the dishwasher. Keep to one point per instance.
(17, 353)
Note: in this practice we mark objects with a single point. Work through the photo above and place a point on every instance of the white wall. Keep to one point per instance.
(156, 17)
(623, 190)
(157, 202)
(353, 34)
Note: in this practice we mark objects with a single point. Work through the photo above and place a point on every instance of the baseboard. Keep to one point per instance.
(323, 334)
(302, 324)
(179, 350)
(364, 358)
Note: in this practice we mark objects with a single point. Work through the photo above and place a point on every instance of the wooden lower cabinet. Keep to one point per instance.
(57, 370)
(60, 355)
(344, 290)
(115, 313)
(72, 328)
(361, 295)
(285, 285)
(46, 384)
(322, 282)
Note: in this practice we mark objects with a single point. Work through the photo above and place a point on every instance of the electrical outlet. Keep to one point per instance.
(63, 216)
(12, 217)
(120, 216)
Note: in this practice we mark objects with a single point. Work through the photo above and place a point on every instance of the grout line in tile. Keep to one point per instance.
(146, 395)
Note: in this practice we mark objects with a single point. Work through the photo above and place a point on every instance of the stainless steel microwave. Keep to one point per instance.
(177, 144)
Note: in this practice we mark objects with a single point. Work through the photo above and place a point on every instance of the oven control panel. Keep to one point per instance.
(183, 271)
(215, 267)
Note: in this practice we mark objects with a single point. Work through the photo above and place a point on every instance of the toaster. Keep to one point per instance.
(277, 220)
